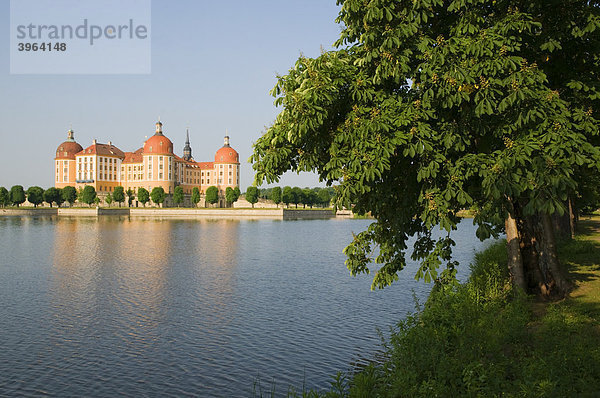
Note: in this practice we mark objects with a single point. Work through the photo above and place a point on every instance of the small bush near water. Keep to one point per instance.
(481, 339)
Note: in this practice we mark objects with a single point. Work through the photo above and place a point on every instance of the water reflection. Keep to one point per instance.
(119, 306)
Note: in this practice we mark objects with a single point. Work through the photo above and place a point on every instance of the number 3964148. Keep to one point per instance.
(42, 46)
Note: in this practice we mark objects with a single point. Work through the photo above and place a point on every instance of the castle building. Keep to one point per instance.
(104, 166)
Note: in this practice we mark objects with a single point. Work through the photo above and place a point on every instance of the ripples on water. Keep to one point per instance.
(187, 308)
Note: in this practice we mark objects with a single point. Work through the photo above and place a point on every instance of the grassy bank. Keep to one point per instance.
(482, 340)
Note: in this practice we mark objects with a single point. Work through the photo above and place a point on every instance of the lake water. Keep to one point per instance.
(117, 307)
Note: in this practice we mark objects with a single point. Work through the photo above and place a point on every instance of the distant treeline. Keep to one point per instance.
(37, 195)
(305, 196)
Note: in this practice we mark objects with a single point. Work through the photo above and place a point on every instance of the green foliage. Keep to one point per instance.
(17, 195)
(119, 195)
(88, 195)
(35, 195)
(195, 196)
(108, 199)
(297, 196)
(212, 195)
(287, 197)
(230, 195)
(69, 194)
(178, 196)
(130, 196)
(309, 197)
(252, 195)
(481, 340)
(143, 196)
(52, 195)
(4, 197)
(323, 197)
(276, 195)
(237, 193)
(428, 107)
(158, 195)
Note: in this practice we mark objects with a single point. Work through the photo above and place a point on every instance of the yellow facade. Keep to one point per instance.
(104, 166)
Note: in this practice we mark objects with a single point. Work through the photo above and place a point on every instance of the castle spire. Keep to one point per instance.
(187, 149)
(70, 135)
(159, 127)
(226, 141)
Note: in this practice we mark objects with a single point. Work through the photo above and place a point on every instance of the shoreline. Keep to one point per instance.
(281, 214)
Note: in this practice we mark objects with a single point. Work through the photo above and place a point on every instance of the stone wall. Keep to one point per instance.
(29, 212)
(309, 214)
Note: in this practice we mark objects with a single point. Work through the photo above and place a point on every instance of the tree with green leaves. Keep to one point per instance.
(143, 196)
(212, 195)
(69, 194)
(130, 196)
(297, 196)
(119, 195)
(158, 195)
(195, 196)
(17, 195)
(59, 199)
(35, 195)
(88, 195)
(287, 197)
(308, 197)
(108, 199)
(252, 195)
(4, 197)
(230, 196)
(462, 104)
(237, 193)
(276, 195)
(178, 196)
(52, 195)
(323, 197)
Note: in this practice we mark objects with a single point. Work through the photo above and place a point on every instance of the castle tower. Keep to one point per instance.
(187, 149)
(64, 162)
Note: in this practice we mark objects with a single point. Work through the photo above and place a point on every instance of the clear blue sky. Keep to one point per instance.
(213, 64)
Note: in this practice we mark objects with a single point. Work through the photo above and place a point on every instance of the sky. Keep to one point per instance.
(213, 64)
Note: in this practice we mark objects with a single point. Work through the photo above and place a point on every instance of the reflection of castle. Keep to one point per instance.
(104, 166)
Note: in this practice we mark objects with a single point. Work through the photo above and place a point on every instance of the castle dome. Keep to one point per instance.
(158, 144)
(69, 148)
(227, 154)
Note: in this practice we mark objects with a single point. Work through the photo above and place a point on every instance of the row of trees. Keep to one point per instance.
(36, 196)
(295, 195)
(88, 195)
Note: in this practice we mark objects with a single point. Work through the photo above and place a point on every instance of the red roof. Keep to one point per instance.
(158, 144)
(103, 150)
(227, 155)
(206, 165)
(67, 150)
(133, 157)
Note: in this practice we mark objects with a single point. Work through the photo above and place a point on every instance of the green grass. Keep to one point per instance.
(483, 340)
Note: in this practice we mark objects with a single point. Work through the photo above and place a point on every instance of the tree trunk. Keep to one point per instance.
(515, 260)
(571, 219)
(549, 256)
